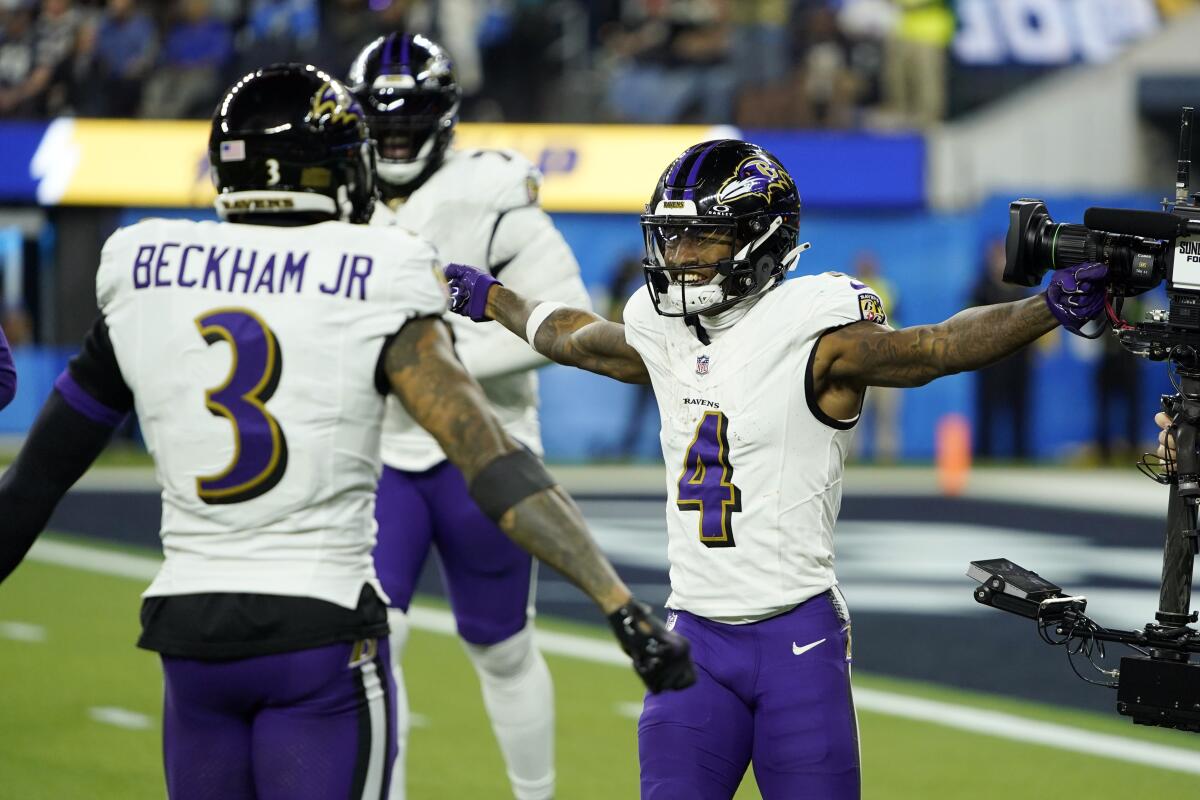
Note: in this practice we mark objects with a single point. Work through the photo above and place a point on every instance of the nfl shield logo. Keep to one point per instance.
(701, 365)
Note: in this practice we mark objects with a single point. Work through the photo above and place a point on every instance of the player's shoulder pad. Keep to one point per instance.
(504, 179)
(112, 273)
(841, 297)
(639, 313)
(851, 296)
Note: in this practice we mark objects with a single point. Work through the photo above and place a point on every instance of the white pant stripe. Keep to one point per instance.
(373, 686)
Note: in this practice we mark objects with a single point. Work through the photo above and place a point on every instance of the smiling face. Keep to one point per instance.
(687, 246)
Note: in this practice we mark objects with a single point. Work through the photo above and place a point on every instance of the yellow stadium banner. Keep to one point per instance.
(588, 168)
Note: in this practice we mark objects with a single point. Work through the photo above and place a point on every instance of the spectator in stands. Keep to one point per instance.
(198, 46)
(1002, 389)
(44, 90)
(279, 30)
(761, 50)
(830, 89)
(17, 57)
(122, 51)
(673, 63)
(348, 26)
(915, 61)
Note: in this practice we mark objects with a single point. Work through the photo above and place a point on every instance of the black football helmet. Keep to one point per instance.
(732, 204)
(407, 87)
(289, 139)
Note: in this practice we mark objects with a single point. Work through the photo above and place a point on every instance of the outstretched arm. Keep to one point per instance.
(512, 487)
(571, 336)
(865, 354)
(89, 400)
(439, 394)
(860, 355)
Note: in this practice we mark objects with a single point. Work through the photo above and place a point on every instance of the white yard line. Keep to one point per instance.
(22, 631)
(977, 720)
(121, 718)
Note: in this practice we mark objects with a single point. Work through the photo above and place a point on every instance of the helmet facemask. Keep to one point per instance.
(411, 126)
(704, 266)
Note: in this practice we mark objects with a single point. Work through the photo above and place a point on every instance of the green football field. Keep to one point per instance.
(81, 718)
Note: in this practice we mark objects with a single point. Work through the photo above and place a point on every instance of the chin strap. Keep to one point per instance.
(693, 322)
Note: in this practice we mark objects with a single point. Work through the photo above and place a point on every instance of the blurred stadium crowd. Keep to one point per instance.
(755, 63)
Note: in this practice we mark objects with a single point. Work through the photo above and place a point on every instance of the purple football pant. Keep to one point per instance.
(307, 725)
(762, 695)
(485, 573)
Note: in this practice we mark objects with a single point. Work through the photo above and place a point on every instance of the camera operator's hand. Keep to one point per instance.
(660, 657)
(1166, 442)
(1076, 294)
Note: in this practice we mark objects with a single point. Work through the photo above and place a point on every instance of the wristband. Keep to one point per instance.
(538, 316)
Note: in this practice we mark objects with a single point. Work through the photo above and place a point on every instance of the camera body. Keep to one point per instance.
(1141, 249)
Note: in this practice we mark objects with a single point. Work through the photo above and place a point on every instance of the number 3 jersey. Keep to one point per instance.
(251, 353)
(754, 468)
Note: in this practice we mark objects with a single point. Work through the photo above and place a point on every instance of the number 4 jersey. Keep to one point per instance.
(754, 468)
(252, 353)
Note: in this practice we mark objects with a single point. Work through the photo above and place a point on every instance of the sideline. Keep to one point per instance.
(962, 717)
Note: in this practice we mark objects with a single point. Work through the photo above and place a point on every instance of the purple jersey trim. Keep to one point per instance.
(78, 399)
(8, 373)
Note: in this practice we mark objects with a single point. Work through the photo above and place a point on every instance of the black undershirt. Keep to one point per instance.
(224, 625)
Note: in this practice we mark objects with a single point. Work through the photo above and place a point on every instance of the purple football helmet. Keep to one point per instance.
(734, 203)
(407, 88)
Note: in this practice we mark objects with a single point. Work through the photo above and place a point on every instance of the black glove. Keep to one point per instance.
(660, 657)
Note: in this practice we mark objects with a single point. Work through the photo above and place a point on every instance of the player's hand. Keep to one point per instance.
(469, 289)
(1076, 294)
(661, 658)
(1166, 442)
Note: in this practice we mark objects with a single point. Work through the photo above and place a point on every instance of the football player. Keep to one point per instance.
(477, 207)
(8, 372)
(257, 352)
(759, 383)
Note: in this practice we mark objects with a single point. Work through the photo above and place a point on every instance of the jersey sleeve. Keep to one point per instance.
(111, 280)
(8, 372)
(418, 289)
(92, 383)
(644, 328)
(842, 300)
(510, 180)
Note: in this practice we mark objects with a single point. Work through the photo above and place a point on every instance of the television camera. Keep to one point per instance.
(1160, 685)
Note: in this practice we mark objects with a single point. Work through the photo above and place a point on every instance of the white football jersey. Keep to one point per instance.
(251, 352)
(480, 208)
(754, 468)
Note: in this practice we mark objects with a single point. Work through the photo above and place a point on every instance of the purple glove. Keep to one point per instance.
(1076, 294)
(469, 289)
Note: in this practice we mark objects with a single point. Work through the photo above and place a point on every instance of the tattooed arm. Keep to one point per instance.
(864, 354)
(437, 392)
(571, 336)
